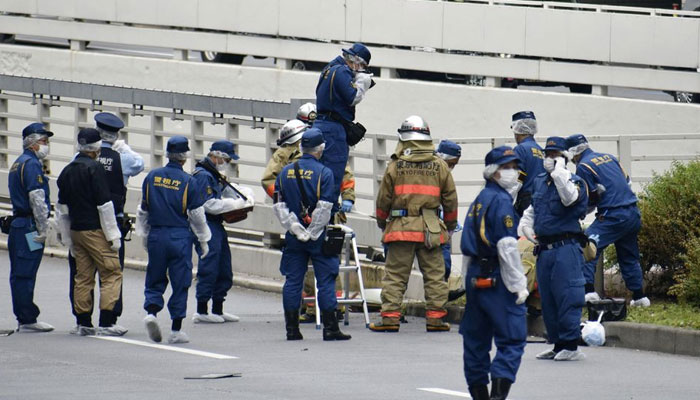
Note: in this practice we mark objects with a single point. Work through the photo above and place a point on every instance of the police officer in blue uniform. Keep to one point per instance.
(172, 204)
(120, 163)
(524, 126)
(29, 194)
(342, 85)
(214, 273)
(496, 285)
(303, 200)
(559, 202)
(617, 219)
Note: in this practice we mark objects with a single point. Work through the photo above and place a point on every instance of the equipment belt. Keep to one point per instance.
(22, 214)
(554, 245)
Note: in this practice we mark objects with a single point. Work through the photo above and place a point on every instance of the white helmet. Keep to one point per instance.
(414, 128)
(307, 113)
(291, 132)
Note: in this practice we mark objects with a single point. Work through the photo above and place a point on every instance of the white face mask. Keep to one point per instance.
(548, 164)
(43, 151)
(508, 180)
(221, 168)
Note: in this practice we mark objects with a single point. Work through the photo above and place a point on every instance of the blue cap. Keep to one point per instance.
(523, 115)
(109, 122)
(360, 50)
(88, 136)
(36, 127)
(225, 146)
(450, 148)
(177, 144)
(500, 155)
(557, 143)
(312, 137)
(575, 140)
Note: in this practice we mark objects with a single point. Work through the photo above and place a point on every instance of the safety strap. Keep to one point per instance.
(304, 199)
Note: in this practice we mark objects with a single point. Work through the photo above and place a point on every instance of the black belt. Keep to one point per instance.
(487, 265)
(545, 240)
(332, 115)
(22, 214)
(554, 245)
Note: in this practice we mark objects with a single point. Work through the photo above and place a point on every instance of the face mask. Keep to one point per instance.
(548, 164)
(509, 181)
(43, 151)
(221, 168)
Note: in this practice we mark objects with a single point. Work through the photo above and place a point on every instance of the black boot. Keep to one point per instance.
(453, 295)
(479, 392)
(330, 327)
(291, 319)
(500, 388)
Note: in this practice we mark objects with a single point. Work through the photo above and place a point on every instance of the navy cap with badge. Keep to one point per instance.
(500, 155)
(36, 127)
(225, 146)
(575, 140)
(359, 50)
(88, 136)
(556, 143)
(108, 122)
(312, 137)
(177, 144)
(449, 148)
(523, 115)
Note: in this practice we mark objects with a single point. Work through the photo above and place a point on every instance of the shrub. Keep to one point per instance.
(687, 287)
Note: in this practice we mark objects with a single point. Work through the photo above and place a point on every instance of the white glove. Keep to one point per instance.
(40, 238)
(119, 145)
(529, 234)
(205, 249)
(116, 245)
(363, 80)
(548, 164)
(559, 163)
(522, 296)
(144, 242)
(300, 232)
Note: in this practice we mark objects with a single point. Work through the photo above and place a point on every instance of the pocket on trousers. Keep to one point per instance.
(517, 322)
(577, 282)
(25, 265)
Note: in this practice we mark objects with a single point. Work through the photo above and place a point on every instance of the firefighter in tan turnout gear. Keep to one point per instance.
(416, 183)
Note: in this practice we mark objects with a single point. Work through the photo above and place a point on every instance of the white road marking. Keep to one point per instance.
(169, 348)
(447, 392)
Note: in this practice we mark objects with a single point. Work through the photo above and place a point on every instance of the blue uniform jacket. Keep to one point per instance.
(25, 176)
(168, 192)
(600, 168)
(530, 155)
(210, 187)
(336, 91)
(490, 218)
(317, 181)
(551, 216)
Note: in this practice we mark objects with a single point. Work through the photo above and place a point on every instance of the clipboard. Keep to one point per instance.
(33, 246)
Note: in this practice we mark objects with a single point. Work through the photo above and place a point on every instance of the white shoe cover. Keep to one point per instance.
(152, 328)
(568, 355)
(207, 319)
(178, 337)
(592, 296)
(35, 327)
(643, 302)
(114, 330)
(546, 355)
(229, 317)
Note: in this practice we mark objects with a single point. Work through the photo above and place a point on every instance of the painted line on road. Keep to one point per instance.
(169, 348)
(447, 392)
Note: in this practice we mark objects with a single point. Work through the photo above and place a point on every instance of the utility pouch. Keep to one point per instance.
(432, 227)
(615, 309)
(5, 223)
(125, 228)
(333, 241)
(354, 132)
(589, 251)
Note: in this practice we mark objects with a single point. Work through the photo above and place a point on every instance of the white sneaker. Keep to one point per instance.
(643, 302)
(568, 355)
(114, 330)
(207, 318)
(35, 327)
(83, 330)
(178, 337)
(152, 328)
(229, 317)
(546, 355)
(592, 296)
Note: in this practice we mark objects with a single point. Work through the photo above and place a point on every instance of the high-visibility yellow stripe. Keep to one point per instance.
(590, 168)
(184, 200)
(482, 230)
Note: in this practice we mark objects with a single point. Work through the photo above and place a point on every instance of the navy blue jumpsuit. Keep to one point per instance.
(531, 156)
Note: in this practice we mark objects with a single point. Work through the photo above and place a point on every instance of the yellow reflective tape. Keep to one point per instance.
(184, 200)
(482, 230)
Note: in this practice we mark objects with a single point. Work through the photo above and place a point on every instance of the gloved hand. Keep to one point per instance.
(346, 206)
(116, 245)
(300, 232)
(363, 80)
(529, 234)
(144, 242)
(119, 146)
(522, 296)
(459, 227)
(40, 238)
(548, 164)
(204, 247)
(560, 163)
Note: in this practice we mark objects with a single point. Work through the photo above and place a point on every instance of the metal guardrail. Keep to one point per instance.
(550, 41)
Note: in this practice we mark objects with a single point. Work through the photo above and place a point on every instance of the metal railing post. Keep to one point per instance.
(378, 166)
(156, 140)
(624, 149)
(4, 162)
(232, 134)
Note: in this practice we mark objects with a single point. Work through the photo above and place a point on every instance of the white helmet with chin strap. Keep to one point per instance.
(414, 128)
(307, 113)
(291, 132)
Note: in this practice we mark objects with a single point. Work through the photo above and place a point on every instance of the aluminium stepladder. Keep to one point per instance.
(350, 261)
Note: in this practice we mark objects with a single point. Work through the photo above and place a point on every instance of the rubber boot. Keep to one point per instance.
(291, 319)
(436, 325)
(479, 392)
(330, 327)
(500, 388)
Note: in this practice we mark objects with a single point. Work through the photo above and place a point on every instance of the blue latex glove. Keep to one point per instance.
(458, 228)
(346, 206)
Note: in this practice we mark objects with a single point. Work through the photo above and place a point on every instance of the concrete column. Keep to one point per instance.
(492, 81)
(78, 45)
(388, 73)
(43, 112)
(157, 142)
(378, 165)
(232, 134)
(3, 137)
(599, 90)
(80, 119)
(283, 63)
(181, 54)
(197, 145)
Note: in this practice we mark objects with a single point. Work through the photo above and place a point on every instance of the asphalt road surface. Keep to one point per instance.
(411, 364)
